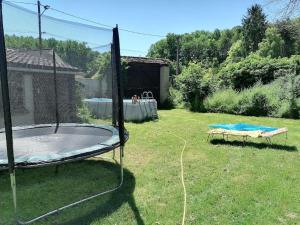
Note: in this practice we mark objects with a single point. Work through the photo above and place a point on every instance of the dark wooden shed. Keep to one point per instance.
(146, 74)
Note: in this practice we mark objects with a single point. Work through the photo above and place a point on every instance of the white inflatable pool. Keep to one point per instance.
(144, 109)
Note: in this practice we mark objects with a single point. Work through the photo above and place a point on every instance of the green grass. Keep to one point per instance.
(227, 183)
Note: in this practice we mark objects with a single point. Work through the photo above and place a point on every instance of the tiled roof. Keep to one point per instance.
(133, 59)
(35, 59)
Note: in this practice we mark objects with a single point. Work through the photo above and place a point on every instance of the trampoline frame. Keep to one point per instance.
(117, 120)
(96, 149)
(73, 204)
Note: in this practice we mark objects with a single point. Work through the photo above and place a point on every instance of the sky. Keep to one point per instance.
(154, 16)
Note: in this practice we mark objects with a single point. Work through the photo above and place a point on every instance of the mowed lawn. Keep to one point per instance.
(227, 182)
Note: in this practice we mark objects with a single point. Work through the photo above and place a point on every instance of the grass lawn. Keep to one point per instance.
(227, 183)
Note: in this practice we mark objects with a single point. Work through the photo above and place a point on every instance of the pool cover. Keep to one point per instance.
(243, 127)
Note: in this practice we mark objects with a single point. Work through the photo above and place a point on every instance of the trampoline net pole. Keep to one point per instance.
(55, 90)
(114, 88)
(121, 164)
(7, 111)
(119, 79)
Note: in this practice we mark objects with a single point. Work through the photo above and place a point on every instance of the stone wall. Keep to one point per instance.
(164, 83)
(32, 97)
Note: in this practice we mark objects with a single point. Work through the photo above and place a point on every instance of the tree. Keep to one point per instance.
(75, 53)
(165, 48)
(254, 27)
(272, 45)
(236, 52)
(288, 8)
(158, 49)
(289, 31)
(224, 44)
(216, 34)
(100, 66)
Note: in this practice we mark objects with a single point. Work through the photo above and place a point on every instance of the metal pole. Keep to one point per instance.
(7, 111)
(55, 91)
(40, 25)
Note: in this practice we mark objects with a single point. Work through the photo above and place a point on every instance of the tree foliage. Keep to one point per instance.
(254, 27)
(255, 68)
(290, 32)
(210, 48)
(75, 53)
(193, 83)
(272, 45)
(236, 52)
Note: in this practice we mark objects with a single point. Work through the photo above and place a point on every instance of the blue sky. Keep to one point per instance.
(155, 16)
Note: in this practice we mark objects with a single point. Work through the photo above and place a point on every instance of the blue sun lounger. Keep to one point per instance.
(245, 130)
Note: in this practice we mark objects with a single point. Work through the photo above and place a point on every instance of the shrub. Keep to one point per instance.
(289, 96)
(83, 114)
(260, 100)
(168, 103)
(176, 97)
(288, 109)
(193, 84)
(254, 104)
(222, 101)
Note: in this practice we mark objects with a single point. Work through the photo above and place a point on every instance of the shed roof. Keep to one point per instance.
(36, 59)
(147, 60)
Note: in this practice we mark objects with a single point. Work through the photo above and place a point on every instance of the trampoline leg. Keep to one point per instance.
(114, 154)
(56, 169)
(56, 211)
(14, 192)
(121, 164)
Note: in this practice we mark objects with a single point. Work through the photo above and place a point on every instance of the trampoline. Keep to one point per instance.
(44, 120)
(40, 145)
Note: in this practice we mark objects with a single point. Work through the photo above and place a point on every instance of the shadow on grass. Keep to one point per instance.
(237, 143)
(149, 119)
(73, 182)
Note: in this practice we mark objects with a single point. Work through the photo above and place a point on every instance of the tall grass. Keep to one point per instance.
(224, 101)
(260, 100)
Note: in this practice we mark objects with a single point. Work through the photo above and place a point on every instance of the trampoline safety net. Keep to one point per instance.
(53, 65)
(49, 80)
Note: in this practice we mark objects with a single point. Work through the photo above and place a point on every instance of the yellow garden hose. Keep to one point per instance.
(182, 178)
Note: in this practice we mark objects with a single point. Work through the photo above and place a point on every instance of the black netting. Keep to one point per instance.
(58, 85)
(66, 79)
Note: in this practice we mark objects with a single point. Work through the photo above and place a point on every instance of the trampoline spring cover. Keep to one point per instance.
(39, 144)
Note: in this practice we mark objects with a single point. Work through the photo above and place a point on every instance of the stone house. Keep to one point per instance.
(32, 87)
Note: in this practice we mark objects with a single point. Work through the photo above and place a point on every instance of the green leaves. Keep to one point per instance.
(75, 53)
(254, 27)
(255, 68)
(272, 45)
(193, 83)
